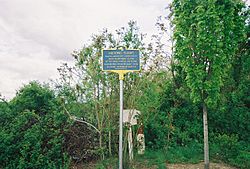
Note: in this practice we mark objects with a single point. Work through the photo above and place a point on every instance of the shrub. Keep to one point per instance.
(33, 136)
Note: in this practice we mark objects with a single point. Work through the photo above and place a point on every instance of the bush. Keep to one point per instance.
(228, 149)
(226, 146)
(33, 136)
(242, 160)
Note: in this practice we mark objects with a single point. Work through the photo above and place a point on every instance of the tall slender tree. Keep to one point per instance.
(97, 91)
(207, 34)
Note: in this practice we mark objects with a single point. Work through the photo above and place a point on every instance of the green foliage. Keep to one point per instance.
(149, 102)
(5, 113)
(207, 35)
(211, 52)
(227, 146)
(229, 149)
(242, 160)
(92, 94)
(33, 136)
(34, 97)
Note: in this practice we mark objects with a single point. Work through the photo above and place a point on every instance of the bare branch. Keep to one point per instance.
(79, 119)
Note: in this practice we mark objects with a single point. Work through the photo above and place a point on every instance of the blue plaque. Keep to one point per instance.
(121, 60)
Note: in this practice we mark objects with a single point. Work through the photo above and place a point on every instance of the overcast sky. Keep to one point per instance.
(37, 36)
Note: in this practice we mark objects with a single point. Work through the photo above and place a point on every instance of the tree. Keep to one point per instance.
(92, 94)
(207, 34)
(96, 92)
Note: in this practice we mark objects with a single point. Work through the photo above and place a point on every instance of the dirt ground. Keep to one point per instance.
(168, 166)
(198, 166)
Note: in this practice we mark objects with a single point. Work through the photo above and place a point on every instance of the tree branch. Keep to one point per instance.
(79, 120)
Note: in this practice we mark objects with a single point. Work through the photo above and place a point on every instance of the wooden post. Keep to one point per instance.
(130, 143)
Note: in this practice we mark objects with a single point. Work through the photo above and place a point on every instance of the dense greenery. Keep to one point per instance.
(207, 35)
(75, 120)
(32, 128)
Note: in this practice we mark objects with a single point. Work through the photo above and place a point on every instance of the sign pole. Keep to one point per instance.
(121, 77)
(121, 62)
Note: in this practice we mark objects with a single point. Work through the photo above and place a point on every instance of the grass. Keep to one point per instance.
(158, 158)
(152, 158)
(187, 154)
(108, 163)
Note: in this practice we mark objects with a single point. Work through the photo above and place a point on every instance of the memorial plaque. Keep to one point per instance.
(121, 60)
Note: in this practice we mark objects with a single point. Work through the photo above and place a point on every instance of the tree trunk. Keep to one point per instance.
(206, 148)
(100, 145)
(110, 149)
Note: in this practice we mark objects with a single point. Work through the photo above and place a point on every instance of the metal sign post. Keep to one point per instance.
(121, 62)
(120, 123)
